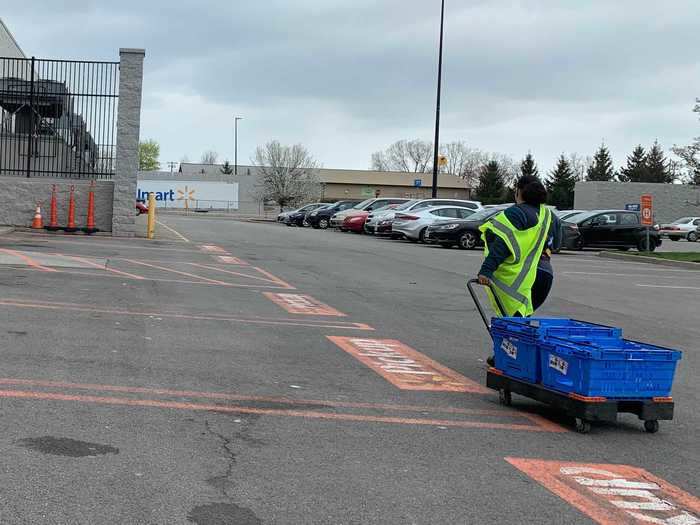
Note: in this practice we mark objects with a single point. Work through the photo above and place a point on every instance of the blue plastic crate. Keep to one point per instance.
(543, 327)
(518, 356)
(622, 370)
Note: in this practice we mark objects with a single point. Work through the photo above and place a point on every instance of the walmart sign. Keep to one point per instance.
(190, 194)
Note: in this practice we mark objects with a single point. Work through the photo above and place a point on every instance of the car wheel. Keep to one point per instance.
(579, 244)
(642, 245)
(467, 241)
(305, 223)
(692, 237)
(674, 238)
(323, 224)
(421, 235)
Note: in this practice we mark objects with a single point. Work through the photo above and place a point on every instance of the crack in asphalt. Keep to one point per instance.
(222, 481)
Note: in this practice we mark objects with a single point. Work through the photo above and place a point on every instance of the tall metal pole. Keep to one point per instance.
(235, 140)
(437, 109)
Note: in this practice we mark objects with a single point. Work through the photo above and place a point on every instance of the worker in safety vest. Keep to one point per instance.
(518, 244)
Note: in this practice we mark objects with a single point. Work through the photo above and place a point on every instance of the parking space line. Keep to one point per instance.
(196, 317)
(186, 274)
(173, 230)
(95, 265)
(690, 274)
(669, 286)
(309, 414)
(28, 260)
(99, 244)
(282, 283)
(231, 272)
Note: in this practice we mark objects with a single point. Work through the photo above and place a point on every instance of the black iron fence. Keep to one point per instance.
(58, 118)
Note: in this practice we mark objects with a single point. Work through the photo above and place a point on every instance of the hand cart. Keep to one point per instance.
(584, 409)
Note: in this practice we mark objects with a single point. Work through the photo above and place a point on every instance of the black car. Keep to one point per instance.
(321, 217)
(298, 217)
(463, 233)
(612, 229)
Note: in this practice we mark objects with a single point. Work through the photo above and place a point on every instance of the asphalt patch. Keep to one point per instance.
(223, 514)
(65, 447)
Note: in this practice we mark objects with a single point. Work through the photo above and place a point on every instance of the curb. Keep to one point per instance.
(650, 260)
(4, 230)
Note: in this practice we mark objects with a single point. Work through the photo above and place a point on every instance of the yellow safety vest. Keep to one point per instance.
(513, 279)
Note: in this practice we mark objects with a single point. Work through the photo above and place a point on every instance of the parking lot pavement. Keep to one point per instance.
(252, 373)
(679, 246)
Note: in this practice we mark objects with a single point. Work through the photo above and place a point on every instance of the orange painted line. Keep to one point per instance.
(252, 320)
(612, 494)
(229, 259)
(543, 422)
(186, 274)
(31, 262)
(122, 244)
(231, 272)
(302, 304)
(274, 278)
(211, 248)
(405, 367)
(91, 263)
(310, 414)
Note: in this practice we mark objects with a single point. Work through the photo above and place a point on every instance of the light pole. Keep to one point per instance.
(437, 109)
(235, 140)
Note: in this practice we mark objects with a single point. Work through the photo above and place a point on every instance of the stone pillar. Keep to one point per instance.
(128, 127)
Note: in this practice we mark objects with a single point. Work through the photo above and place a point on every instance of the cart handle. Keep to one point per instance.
(470, 287)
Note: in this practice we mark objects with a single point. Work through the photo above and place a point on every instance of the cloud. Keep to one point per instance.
(348, 78)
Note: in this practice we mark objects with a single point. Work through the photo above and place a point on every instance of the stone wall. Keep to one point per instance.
(19, 197)
(671, 201)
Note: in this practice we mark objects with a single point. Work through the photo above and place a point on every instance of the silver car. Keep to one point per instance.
(413, 224)
(380, 223)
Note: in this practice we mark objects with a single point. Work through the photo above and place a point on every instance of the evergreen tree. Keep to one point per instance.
(602, 167)
(636, 168)
(658, 167)
(226, 169)
(491, 186)
(528, 166)
(560, 185)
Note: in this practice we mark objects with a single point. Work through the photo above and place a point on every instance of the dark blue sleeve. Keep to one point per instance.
(554, 238)
(498, 252)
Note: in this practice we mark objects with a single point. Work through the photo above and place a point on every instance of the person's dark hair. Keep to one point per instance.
(532, 190)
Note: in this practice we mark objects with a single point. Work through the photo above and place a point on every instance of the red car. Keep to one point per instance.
(141, 207)
(355, 221)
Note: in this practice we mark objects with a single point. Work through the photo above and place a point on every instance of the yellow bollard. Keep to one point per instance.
(151, 229)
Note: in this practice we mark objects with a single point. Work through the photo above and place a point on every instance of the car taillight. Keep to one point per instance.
(402, 217)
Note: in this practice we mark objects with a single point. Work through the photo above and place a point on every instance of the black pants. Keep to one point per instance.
(540, 289)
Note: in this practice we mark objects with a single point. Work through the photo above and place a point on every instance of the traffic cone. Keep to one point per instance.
(53, 222)
(71, 212)
(90, 226)
(37, 223)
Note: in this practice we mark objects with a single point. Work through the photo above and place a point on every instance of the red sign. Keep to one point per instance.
(405, 367)
(614, 494)
(647, 210)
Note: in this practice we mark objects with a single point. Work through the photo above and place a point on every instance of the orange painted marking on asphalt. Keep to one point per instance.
(130, 244)
(613, 494)
(203, 317)
(310, 414)
(230, 272)
(229, 259)
(405, 367)
(302, 304)
(94, 264)
(186, 274)
(211, 248)
(274, 278)
(28, 260)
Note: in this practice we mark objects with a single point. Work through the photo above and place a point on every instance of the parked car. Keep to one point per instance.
(566, 214)
(320, 218)
(463, 233)
(366, 205)
(413, 224)
(380, 222)
(613, 229)
(296, 217)
(141, 207)
(697, 234)
(685, 228)
(355, 222)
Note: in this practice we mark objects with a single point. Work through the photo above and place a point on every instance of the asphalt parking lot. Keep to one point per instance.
(231, 372)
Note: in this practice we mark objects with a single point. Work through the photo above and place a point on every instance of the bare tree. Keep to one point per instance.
(579, 165)
(464, 161)
(288, 174)
(209, 157)
(413, 156)
(690, 155)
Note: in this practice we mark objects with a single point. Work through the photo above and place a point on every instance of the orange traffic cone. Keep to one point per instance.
(37, 223)
(90, 226)
(71, 212)
(53, 222)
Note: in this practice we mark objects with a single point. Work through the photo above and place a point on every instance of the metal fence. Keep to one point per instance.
(58, 118)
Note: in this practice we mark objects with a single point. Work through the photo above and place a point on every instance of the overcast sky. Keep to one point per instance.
(349, 77)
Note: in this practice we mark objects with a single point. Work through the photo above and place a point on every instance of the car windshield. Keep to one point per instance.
(484, 214)
(362, 204)
(684, 220)
(406, 205)
(585, 215)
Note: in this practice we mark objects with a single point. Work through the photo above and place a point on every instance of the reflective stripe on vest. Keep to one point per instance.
(508, 233)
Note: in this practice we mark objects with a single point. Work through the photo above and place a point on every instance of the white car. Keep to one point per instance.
(366, 205)
(380, 223)
(413, 224)
(685, 228)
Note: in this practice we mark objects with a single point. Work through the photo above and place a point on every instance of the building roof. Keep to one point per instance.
(8, 45)
(340, 176)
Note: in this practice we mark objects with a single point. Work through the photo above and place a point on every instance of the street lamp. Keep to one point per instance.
(437, 109)
(235, 140)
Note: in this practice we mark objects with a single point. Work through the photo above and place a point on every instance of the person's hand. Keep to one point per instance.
(484, 280)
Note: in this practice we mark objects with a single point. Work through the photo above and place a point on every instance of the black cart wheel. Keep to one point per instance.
(651, 426)
(583, 426)
(505, 397)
